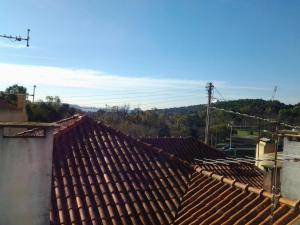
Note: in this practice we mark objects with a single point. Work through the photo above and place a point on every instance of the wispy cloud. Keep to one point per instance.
(11, 45)
(97, 88)
(85, 78)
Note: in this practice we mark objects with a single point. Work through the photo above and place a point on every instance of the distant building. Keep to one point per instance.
(287, 167)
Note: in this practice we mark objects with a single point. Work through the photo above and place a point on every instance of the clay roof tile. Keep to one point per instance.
(102, 176)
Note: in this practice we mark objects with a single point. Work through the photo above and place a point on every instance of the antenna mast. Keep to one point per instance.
(274, 93)
(18, 38)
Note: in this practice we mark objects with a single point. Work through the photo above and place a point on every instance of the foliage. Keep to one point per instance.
(181, 121)
(10, 93)
(49, 111)
(190, 121)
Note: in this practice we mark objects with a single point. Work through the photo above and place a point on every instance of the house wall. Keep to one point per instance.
(290, 174)
(15, 115)
(25, 179)
(7, 115)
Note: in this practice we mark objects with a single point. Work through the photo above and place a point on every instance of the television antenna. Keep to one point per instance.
(18, 38)
(274, 93)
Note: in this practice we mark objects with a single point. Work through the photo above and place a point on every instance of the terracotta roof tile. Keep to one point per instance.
(215, 200)
(242, 172)
(101, 176)
(189, 149)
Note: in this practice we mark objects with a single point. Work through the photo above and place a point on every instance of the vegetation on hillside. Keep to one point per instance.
(190, 121)
(181, 121)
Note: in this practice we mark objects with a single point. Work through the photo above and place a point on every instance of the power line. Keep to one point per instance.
(220, 94)
(256, 117)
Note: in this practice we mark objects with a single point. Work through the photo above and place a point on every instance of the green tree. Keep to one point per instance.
(49, 111)
(10, 94)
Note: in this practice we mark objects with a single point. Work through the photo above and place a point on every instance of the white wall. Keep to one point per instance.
(290, 173)
(25, 179)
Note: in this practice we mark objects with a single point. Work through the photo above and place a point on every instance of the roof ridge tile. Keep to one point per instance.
(247, 187)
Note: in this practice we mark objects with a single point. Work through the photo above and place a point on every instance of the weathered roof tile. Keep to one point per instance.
(101, 176)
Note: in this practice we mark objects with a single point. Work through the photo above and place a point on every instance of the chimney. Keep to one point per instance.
(264, 149)
(269, 176)
(21, 102)
(25, 174)
(265, 153)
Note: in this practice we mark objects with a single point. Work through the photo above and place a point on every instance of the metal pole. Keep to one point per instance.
(34, 86)
(209, 87)
(274, 186)
(231, 136)
(27, 39)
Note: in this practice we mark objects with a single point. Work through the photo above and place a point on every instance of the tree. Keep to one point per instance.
(16, 89)
(49, 111)
(10, 94)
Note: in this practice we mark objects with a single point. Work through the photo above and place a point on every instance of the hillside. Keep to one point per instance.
(190, 120)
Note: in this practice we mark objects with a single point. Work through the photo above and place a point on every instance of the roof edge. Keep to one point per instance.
(247, 187)
(80, 118)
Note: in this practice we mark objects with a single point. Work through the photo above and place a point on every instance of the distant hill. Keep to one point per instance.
(84, 108)
(257, 107)
(182, 110)
(190, 120)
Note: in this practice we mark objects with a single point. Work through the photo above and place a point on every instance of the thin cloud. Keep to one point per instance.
(11, 45)
(75, 85)
(94, 79)
(86, 79)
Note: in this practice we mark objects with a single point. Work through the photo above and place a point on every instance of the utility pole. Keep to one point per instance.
(18, 38)
(275, 189)
(33, 95)
(209, 88)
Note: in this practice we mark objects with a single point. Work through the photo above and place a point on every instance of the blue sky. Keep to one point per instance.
(152, 53)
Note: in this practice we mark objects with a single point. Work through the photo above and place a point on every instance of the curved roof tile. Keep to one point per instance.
(102, 176)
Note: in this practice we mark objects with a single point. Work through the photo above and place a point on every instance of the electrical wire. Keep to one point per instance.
(220, 94)
(256, 117)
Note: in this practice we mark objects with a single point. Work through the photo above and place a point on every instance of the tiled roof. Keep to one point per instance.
(241, 172)
(185, 148)
(189, 149)
(213, 199)
(101, 176)
(6, 105)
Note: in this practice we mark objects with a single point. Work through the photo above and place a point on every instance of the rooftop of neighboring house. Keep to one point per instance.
(209, 158)
(290, 133)
(186, 148)
(102, 176)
